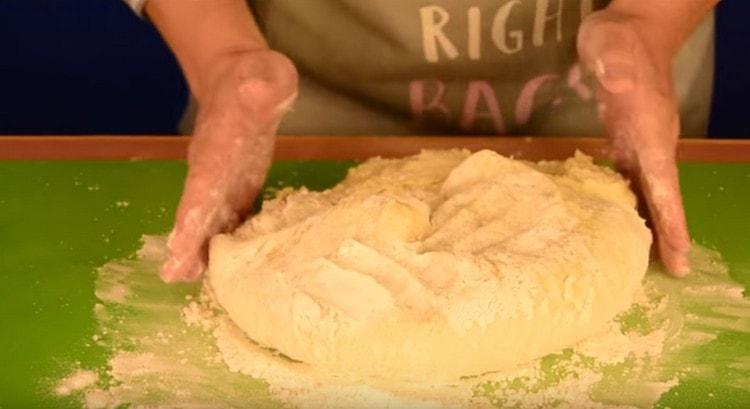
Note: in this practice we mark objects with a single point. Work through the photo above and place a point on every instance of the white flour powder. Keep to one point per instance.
(172, 346)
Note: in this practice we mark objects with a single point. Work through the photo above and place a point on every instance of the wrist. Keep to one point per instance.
(218, 66)
(664, 24)
(240, 65)
(261, 82)
(203, 34)
(639, 37)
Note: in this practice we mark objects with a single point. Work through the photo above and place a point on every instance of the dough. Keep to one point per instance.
(435, 266)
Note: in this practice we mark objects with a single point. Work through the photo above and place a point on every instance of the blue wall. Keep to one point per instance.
(84, 67)
(92, 67)
(729, 114)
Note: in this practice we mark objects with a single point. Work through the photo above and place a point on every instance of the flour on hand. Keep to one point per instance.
(435, 266)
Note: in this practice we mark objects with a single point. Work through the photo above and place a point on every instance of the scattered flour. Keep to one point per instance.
(75, 382)
(172, 346)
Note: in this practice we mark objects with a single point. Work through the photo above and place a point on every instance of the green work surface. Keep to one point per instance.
(59, 221)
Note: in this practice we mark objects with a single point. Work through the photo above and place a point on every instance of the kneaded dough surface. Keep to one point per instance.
(435, 266)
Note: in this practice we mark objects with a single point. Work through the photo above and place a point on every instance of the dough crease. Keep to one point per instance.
(435, 266)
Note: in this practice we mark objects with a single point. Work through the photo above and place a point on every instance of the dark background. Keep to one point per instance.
(92, 67)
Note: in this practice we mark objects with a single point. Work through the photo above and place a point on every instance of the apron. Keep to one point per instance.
(481, 67)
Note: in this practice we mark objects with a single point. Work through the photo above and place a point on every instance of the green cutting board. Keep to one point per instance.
(59, 221)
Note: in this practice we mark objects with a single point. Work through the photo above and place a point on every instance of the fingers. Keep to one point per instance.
(640, 116)
(660, 185)
(198, 218)
(645, 149)
(644, 144)
(229, 155)
(183, 265)
(218, 191)
(188, 242)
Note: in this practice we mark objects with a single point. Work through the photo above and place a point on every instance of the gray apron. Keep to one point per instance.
(496, 67)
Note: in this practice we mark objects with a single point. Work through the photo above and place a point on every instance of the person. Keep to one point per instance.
(398, 67)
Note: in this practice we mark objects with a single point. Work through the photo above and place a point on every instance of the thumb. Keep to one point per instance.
(608, 48)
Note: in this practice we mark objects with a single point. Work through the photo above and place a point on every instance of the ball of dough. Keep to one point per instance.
(435, 266)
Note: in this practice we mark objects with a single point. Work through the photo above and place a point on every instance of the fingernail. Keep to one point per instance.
(616, 72)
(175, 270)
(167, 272)
(680, 268)
(677, 262)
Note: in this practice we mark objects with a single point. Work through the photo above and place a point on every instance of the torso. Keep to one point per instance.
(443, 66)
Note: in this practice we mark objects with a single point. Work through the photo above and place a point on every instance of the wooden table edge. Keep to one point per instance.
(115, 147)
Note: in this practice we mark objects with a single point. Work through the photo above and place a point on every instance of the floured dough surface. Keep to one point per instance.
(435, 266)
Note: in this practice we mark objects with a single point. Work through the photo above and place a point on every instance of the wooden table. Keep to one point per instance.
(347, 147)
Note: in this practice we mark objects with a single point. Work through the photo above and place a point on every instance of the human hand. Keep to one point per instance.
(230, 153)
(633, 64)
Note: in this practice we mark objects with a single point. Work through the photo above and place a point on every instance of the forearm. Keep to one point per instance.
(202, 32)
(666, 24)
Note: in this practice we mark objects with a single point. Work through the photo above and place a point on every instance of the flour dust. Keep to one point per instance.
(172, 346)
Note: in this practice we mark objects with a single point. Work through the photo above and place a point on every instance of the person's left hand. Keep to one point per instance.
(229, 154)
(638, 106)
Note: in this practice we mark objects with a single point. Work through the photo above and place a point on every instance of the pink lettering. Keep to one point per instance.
(421, 105)
(481, 90)
(525, 102)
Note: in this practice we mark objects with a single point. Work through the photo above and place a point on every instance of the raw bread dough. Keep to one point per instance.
(435, 266)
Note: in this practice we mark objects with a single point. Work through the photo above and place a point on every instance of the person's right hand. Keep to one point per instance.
(231, 150)
(632, 60)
